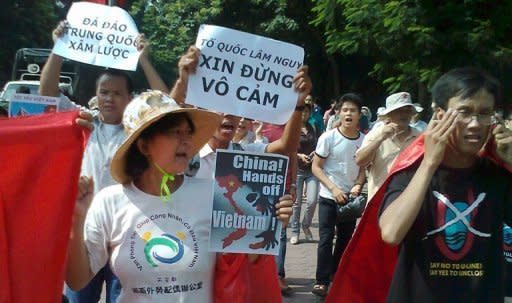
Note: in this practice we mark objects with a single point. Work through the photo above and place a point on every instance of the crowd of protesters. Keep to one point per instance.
(141, 148)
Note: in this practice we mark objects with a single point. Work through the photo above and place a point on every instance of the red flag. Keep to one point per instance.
(366, 268)
(41, 158)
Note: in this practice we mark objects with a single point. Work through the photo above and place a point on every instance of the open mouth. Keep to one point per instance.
(348, 119)
(473, 138)
(227, 126)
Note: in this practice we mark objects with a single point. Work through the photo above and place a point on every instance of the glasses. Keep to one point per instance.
(484, 119)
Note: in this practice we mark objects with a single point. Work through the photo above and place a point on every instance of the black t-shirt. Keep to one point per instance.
(453, 252)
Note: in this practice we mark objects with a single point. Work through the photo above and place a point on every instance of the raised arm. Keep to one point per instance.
(397, 219)
(50, 75)
(366, 153)
(78, 269)
(152, 76)
(187, 65)
(289, 141)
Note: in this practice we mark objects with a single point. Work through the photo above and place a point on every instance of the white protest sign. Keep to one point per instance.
(27, 105)
(245, 75)
(99, 35)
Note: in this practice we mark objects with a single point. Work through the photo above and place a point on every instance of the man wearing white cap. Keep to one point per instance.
(416, 122)
(382, 144)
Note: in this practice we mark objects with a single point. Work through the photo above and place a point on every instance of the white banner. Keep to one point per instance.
(99, 35)
(245, 75)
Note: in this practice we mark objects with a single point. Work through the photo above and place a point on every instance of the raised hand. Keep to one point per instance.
(503, 138)
(60, 30)
(143, 45)
(437, 135)
(84, 196)
(302, 83)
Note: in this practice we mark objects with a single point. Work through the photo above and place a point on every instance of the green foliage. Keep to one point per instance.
(25, 24)
(413, 41)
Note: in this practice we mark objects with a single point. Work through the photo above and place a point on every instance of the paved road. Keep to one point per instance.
(300, 266)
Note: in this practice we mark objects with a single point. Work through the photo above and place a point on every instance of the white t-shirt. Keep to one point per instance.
(340, 164)
(159, 250)
(101, 147)
(208, 157)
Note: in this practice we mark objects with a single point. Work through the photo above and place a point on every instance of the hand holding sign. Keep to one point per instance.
(99, 35)
(247, 75)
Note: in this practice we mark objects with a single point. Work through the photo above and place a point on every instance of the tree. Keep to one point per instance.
(172, 27)
(25, 24)
(413, 41)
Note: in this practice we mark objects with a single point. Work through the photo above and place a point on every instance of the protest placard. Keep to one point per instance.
(27, 105)
(99, 35)
(245, 74)
(247, 186)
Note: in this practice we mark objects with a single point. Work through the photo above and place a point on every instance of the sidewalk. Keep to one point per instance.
(300, 266)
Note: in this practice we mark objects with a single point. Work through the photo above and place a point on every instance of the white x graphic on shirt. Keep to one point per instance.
(459, 216)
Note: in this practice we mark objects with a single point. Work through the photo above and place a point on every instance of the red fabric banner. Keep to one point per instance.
(366, 268)
(40, 164)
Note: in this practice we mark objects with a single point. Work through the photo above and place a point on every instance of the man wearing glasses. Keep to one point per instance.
(447, 211)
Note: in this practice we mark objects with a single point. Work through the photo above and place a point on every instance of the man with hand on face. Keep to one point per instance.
(382, 144)
(446, 210)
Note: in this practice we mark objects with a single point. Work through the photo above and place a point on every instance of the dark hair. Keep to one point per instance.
(117, 73)
(136, 163)
(464, 83)
(23, 89)
(351, 97)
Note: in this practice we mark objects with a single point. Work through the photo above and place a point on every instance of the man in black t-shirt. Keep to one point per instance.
(447, 212)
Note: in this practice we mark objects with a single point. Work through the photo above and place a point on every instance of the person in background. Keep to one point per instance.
(316, 118)
(383, 144)
(305, 179)
(244, 132)
(329, 112)
(339, 176)
(416, 122)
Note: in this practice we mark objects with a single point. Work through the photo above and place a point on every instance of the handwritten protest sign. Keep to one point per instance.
(27, 105)
(245, 75)
(99, 35)
(247, 187)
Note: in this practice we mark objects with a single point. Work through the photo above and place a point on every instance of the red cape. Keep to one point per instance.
(366, 269)
(40, 163)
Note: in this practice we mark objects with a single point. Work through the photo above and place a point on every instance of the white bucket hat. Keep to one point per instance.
(146, 109)
(399, 100)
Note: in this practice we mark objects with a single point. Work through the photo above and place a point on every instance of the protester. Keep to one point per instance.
(117, 228)
(329, 112)
(339, 177)
(114, 90)
(244, 132)
(316, 119)
(283, 142)
(446, 210)
(382, 144)
(334, 120)
(416, 122)
(305, 179)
